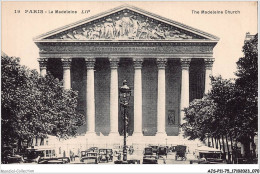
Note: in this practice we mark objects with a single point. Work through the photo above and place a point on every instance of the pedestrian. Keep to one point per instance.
(203, 158)
(73, 156)
(38, 159)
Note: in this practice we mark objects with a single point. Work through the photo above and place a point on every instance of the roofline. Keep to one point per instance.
(130, 7)
(133, 41)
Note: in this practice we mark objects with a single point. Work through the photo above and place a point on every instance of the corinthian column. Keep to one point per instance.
(138, 97)
(43, 66)
(114, 97)
(185, 64)
(90, 97)
(208, 73)
(161, 63)
(66, 62)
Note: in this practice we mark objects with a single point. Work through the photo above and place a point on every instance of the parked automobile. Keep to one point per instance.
(155, 149)
(173, 148)
(93, 149)
(32, 155)
(110, 154)
(210, 155)
(133, 161)
(103, 155)
(90, 158)
(61, 160)
(180, 152)
(6, 151)
(83, 155)
(150, 157)
(14, 159)
(162, 151)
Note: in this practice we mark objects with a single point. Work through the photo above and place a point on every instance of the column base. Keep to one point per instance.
(90, 134)
(161, 134)
(113, 134)
(137, 134)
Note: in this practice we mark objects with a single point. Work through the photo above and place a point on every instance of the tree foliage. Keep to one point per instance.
(230, 107)
(199, 118)
(247, 86)
(211, 116)
(35, 106)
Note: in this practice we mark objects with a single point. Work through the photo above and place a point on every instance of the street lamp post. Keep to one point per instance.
(125, 94)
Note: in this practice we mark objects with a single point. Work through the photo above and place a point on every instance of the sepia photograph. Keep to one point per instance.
(170, 84)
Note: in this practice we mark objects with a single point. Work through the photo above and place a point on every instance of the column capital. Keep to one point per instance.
(90, 63)
(66, 62)
(185, 63)
(161, 63)
(42, 62)
(114, 62)
(209, 63)
(138, 62)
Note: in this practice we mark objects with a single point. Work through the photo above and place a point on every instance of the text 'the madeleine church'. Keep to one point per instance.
(167, 64)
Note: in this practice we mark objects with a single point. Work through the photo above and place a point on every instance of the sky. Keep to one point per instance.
(19, 29)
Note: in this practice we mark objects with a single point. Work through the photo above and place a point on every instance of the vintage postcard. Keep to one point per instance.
(149, 82)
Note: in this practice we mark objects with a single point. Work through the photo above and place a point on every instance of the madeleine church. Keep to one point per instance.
(167, 64)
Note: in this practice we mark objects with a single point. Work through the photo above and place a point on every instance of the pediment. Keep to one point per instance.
(125, 23)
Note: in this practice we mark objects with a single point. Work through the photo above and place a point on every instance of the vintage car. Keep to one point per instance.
(61, 160)
(93, 149)
(133, 161)
(110, 154)
(162, 151)
(103, 155)
(180, 152)
(14, 159)
(32, 155)
(149, 156)
(155, 149)
(83, 155)
(209, 155)
(173, 148)
(89, 157)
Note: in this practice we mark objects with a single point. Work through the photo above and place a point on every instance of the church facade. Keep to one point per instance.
(167, 64)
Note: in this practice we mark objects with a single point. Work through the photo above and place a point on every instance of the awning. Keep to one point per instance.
(206, 149)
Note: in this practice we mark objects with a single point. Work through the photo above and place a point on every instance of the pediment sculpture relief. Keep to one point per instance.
(125, 26)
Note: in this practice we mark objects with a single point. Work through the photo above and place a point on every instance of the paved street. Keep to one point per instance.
(139, 156)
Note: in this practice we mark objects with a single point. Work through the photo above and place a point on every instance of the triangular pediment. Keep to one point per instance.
(125, 23)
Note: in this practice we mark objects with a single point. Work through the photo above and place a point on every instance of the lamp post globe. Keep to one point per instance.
(125, 94)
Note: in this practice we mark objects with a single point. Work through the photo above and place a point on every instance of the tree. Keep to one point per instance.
(199, 117)
(34, 106)
(223, 94)
(212, 116)
(247, 92)
(229, 110)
